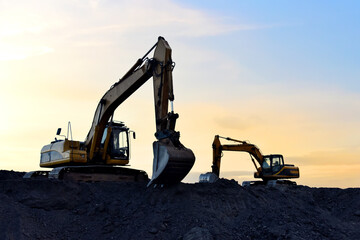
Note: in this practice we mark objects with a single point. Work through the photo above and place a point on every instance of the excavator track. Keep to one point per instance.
(36, 174)
(95, 174)
(100, 174)
(269, 183)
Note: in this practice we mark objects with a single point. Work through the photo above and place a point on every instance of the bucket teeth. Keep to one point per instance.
(171, 164)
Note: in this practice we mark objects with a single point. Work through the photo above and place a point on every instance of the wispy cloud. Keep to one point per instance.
(32, 29)
(21, 52)
(22, 32)
(349, 156)
(145, 16)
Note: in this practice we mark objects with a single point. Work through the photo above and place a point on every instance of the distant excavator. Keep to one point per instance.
(107, 143)
(271, 169)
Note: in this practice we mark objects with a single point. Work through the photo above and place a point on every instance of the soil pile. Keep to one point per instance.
(47, 209)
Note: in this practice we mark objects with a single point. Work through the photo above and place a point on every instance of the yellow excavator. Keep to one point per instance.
(271, 169)
(106, 146)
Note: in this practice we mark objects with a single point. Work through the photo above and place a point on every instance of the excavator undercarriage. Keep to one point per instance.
(94, 173)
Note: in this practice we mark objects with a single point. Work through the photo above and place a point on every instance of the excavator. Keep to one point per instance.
(272, 169)
(106, 149)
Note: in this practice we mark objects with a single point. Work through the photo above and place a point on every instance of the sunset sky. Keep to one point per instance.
(283, 75)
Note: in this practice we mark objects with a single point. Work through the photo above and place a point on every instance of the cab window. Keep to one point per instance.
(266, 163)
(104, 137)
(119, 144)
(276, 163)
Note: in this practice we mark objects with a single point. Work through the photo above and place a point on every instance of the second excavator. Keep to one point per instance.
(107, 143)
(271, 169)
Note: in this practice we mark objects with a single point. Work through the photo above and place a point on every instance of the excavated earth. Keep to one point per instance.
(48, 209)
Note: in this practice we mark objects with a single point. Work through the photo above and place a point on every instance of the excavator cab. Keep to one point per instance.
(115, 144)
(272, 164)
(273, 167)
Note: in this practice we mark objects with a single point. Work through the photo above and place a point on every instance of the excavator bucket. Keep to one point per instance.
(171, 164)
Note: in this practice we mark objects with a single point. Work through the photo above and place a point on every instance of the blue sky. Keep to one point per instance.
(318, 42)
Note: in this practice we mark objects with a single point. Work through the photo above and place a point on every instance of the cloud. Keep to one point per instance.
(348, 156)
(231, 121)
(29, 29)
(145, 16)
(22, 32)
(20, 52)
(330, 175)
(16, 22)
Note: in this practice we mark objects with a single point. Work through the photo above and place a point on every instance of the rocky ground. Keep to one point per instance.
(48, 209)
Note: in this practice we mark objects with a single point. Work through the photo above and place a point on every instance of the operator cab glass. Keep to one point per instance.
(118, 147)
(119, 144)
(272, 163)
(276, 163)
(267, 162)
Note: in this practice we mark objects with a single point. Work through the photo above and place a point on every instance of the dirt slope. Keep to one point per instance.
(43, 209)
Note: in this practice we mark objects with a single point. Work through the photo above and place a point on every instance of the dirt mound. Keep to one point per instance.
(7, 175)
(44, 209)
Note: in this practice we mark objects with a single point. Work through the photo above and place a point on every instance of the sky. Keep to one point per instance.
(283, 75)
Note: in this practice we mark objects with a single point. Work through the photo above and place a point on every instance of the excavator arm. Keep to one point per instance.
(172, 161)
(117, 94)
(243, 146)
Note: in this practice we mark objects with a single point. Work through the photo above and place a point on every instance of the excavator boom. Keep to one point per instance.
(218, 148)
